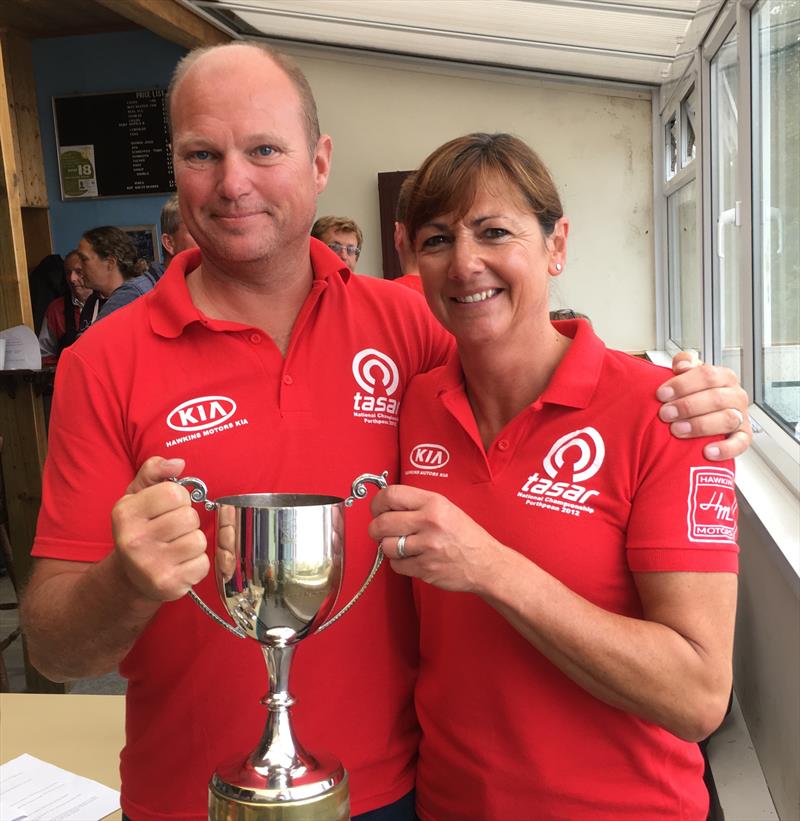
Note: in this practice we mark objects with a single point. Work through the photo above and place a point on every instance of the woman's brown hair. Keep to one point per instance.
(448, 179)
(108, 241)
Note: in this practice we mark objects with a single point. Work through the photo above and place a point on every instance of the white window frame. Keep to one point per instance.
(771, 442)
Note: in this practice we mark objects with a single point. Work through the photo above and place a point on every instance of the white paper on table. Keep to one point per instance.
(22, 350)
(33, 789)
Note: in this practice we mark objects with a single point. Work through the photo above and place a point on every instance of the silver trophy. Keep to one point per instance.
(279, 565)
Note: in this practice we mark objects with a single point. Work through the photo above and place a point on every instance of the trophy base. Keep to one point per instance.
(319, 795)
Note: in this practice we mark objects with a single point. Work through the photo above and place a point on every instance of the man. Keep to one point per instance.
(297, 352)
(62, 318)
(175, 238)
(402, 245)
(342, 236)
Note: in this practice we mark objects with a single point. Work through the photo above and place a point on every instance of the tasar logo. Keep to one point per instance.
(202, 416)
(574, 457)
(378, 377)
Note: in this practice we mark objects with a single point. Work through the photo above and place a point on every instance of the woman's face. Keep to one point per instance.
(485, 274)
(95, 269)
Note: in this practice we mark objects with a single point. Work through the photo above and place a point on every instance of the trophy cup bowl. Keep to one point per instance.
(279, 564)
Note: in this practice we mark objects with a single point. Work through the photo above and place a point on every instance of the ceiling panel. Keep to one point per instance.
(629, 40)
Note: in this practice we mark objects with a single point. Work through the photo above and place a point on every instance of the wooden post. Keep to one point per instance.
(21, 411)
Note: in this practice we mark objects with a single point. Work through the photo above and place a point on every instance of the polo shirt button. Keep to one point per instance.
(255, 339)
(502, 444)
(287, 380)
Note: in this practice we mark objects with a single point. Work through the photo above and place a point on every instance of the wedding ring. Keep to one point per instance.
(401, 547)
(741, 417)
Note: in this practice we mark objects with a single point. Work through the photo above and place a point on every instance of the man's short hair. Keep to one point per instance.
(171, 216)
(403, 196)
(283, 61)
(325, 224)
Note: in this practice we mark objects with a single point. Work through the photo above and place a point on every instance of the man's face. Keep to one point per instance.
(74, 274)
(248, 185)
(345, 244)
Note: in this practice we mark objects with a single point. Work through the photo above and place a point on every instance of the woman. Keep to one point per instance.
(574, 564)
(112, 268)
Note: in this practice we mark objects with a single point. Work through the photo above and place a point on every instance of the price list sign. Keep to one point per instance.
(113, 145)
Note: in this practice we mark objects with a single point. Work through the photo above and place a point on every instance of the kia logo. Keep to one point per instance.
(429, 457)
(201, 413)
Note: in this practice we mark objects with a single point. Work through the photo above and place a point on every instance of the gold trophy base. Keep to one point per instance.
(229, 803)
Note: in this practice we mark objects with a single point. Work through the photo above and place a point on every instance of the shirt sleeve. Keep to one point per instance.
(88, 466)
(684, 510)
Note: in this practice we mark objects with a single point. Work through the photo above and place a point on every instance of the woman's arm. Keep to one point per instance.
(672, 667)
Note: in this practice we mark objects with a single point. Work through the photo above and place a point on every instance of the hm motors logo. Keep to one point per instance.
(573, 458)
(378, 378)
(712, 506)
(202, 416)
(428, 459)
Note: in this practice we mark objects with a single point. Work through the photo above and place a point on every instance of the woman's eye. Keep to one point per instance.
(496, 233)
(434, 241)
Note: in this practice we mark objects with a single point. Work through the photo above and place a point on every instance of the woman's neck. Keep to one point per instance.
(502, 381)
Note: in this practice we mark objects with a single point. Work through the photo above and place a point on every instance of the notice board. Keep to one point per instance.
(113, 145)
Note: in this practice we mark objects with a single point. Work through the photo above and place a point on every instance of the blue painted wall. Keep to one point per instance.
(98, 62)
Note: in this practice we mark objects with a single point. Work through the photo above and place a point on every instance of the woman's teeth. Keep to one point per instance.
(479, 297)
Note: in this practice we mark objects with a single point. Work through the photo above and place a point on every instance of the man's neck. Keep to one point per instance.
(261, 295)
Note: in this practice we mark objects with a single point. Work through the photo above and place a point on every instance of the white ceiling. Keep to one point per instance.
(640, 41)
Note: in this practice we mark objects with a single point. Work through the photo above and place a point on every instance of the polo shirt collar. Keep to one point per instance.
(576, 377)
(171, 306)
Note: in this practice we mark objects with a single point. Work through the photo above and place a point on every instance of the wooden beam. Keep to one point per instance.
(21, 90)
(15, 298)
(21, 411)
(170, 20)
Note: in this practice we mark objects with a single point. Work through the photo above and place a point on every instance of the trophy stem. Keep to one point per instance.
(278, 756)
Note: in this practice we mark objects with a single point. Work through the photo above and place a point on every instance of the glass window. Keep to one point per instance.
(688, 115)
(671, 147)
(725, 210)
(776, 207)
(683, 271)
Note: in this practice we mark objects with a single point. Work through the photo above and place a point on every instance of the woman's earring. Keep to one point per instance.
(558, 267)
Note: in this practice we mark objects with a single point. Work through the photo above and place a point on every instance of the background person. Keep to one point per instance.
(574, 564)
(174, 238)
(267, 318)
(62, 319)
(342, 235)
(405, 251)
(109, 260)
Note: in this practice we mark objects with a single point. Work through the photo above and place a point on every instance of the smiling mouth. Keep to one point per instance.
(481, 296)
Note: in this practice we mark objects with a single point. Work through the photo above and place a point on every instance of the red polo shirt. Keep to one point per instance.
(160, 378)
(590, 485)
(412, 281)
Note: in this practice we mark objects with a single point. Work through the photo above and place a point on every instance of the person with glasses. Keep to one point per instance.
(342, 235)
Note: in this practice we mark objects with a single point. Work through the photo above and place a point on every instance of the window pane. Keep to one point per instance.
(776, 205)
(724, 151)
(671, 147)
(688, 114)
(685, 283)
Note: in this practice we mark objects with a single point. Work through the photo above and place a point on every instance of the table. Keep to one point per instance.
(83, 734)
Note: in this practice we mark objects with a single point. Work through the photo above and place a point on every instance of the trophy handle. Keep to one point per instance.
(198, 493)
(359, 491)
